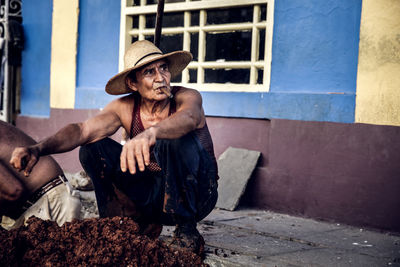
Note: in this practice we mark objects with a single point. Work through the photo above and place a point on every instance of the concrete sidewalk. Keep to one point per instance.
(259, 238)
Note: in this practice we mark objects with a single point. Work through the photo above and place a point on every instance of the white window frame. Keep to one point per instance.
(127, 11)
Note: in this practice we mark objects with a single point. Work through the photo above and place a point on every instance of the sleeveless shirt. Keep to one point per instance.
(137, 127)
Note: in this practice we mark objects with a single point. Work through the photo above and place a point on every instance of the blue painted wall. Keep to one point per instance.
(314, 62)
(98, 48)
(294, 106)
(315, 46)
(35, 89)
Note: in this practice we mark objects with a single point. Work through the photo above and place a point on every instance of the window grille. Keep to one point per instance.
(230, 40)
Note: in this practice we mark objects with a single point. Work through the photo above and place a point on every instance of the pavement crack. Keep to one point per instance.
(223, 220)
(280, 237)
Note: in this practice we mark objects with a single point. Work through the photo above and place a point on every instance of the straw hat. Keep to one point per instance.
(141, 53)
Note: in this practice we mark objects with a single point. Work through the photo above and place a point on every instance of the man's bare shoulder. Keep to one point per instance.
(181, 91)
(190, 99)
(121, 103)
(122, 108)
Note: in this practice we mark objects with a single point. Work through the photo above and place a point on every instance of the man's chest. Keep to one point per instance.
(152, 119)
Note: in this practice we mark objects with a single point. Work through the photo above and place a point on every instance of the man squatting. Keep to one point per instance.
(166, 173)
(45, 194)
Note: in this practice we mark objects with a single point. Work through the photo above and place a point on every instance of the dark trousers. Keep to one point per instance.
(185, 188)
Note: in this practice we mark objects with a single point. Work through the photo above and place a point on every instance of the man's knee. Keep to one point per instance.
(88, 152)
(14, 193)
(184, 146)
(85, 153)
(11, 188)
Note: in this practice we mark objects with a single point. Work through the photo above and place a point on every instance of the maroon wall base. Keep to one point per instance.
(348, 173)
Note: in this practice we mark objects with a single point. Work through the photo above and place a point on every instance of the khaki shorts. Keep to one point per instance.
(60, 204)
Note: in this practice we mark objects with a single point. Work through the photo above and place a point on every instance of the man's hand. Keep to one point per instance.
(24, 158)
(137, 151)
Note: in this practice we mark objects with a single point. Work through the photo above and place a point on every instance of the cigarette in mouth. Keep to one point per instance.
(168, 93)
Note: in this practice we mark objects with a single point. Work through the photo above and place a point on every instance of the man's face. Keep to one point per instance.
(151, 78)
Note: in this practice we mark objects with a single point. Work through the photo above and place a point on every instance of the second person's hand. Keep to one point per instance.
(24, 159)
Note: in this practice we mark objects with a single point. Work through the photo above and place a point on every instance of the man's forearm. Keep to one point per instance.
(64, 140)
(177, 125)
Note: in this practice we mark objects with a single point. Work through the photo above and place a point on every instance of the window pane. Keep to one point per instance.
(169, 20)
(173, 19)
(232, 46)
(231, 15)
(262, 45)
(150, 38)
(150, 21)
(260, 76)
(134, 39)
(136, 2)
(170, 43)
(227, 76)
(155, 2)
(177, 79)
(263, 15)
(192, 75)
(194, 20)
(194, 45)
(135, 22)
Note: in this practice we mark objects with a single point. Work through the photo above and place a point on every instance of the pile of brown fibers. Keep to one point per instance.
(91, 242)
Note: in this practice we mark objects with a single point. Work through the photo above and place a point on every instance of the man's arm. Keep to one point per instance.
(71, 136)
(189, 115)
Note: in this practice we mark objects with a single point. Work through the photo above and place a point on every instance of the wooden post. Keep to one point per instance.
(159, 17)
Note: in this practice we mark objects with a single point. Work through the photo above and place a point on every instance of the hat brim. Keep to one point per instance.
(177, 62)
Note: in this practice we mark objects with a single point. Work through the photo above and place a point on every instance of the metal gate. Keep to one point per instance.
(11, 44)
